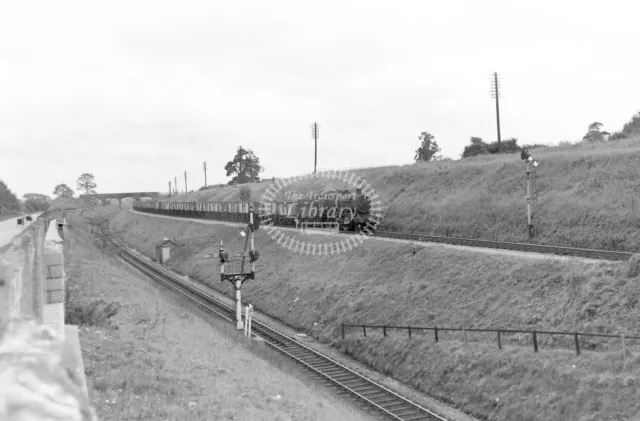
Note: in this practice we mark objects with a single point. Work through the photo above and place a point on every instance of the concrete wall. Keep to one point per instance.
(21, 295)
(32, 279)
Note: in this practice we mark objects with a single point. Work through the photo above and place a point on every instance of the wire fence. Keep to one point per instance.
(499, 334)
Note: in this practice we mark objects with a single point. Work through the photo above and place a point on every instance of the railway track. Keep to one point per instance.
(470, 242)
(366, 392)
(503, 245)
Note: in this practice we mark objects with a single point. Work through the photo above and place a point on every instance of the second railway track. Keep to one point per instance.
(468, 242)
(370, 394)
(503, 245)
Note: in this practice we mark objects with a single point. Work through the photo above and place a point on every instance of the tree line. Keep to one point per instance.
(10, 204)
(86, 183)
(245, 167)
(429, 150)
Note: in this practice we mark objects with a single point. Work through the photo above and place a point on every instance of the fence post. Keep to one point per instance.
(535, 341)
(576, 339)
(499, 341)
(409, 331)
(435, 331)
(364, 330)
(342, 330)
(384, 330)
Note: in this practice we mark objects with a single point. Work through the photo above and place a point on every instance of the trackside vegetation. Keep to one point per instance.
(402, 284)
(588, 196)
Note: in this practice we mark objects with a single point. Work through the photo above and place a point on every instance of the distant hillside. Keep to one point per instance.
(9, 203)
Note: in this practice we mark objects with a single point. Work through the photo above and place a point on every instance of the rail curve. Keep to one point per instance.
(370, 394)
(469, 242)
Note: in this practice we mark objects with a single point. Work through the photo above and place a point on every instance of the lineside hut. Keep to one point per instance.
(164, 249)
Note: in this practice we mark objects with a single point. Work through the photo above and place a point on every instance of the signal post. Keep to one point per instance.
(247, 258)
(532, 202)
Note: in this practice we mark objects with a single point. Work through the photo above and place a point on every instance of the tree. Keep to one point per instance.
(594, 134)
(508, 146)
(62, 191)
(428, 150)
(86, 183)
(245, 167)
(630, 128)
(8, 200)
(480, 147)
(35, 202)
(477, 147)
(36, 197)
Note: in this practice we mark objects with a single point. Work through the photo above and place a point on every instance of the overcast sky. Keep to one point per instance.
(137, 92)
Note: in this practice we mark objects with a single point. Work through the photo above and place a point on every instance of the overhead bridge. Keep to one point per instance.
(115, 198)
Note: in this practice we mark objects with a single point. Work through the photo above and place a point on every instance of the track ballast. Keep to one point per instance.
(371, 395)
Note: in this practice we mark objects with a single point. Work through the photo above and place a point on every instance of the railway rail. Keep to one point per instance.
(469, 242)
(372, 396)
(503, 245)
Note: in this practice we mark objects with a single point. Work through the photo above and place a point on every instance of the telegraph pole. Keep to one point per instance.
(315, 132)
(204, 164)
(495, 93)
(185, 182)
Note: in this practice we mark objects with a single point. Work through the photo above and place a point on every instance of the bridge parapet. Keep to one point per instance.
(119, 196)
(34, 340)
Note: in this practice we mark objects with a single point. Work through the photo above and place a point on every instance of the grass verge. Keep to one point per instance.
(386, 283)
(148, 355)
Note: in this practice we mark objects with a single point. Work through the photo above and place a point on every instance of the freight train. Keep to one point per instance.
(350, 211)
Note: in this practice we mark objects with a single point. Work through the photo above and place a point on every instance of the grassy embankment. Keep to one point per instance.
(147, 356)
(385, 283)
(589, 196)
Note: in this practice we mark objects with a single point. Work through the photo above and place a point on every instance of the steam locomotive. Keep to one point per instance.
(349, 211)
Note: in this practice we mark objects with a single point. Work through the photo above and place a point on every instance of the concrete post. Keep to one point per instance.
(529, 202)
(239, 323)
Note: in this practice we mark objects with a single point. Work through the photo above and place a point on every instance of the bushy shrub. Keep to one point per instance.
(244, 193)
(95, 313)
(479, 147)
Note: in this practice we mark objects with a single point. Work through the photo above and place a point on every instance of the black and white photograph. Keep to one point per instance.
(317, 211)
